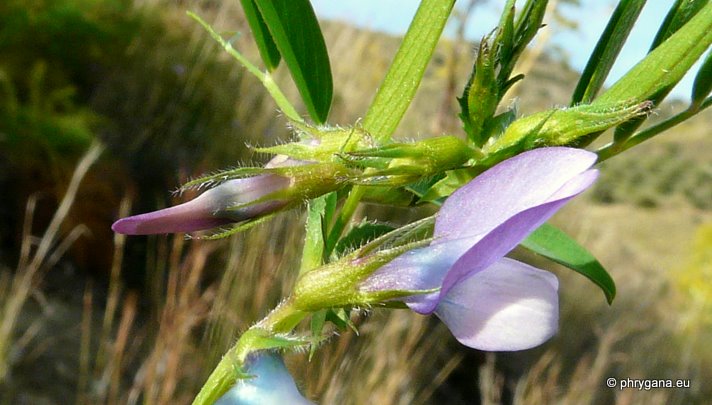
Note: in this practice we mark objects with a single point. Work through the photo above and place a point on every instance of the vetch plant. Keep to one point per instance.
(496, 183)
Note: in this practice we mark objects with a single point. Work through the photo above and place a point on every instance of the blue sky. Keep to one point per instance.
(393, 16)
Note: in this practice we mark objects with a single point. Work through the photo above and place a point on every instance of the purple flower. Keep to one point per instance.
(271, 384)
(490, 302)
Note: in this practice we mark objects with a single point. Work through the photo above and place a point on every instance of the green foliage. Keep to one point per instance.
(49, 127)
(556, 245)
(703, 83)
(165, 107)
(266, 79)
(606, 51)
(360, 235)
(61, 42)
(491, 74)
(403, 77)
(296, 33)
(268, 49)
(655, 76)
(680, 13)
(70, 36)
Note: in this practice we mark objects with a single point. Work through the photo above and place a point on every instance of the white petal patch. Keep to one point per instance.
(508, 306)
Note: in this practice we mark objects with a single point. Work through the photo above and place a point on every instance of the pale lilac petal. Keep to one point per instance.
(418, 269)
(272, 385)
(508, 235)
(514, 185)
(241, 191)
(508, 306)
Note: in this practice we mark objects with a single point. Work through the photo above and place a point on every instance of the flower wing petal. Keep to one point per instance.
(419, 269)
(508, 306)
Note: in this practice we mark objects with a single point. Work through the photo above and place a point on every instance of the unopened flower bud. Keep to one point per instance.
(284, 184)
(210, 209)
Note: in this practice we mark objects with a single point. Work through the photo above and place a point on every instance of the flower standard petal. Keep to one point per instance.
(508, 306)
(514, 185)
(271, 384)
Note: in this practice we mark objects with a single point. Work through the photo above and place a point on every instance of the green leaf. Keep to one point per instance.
(360, 235)
(703, 82)
(341, 318)
(318, 320)
(556, 245)
(313, 252)
(295, 30)
(655, 76)
(263, 39)
(403, 78)
(679, 14)
(662, 68)
(607, 50)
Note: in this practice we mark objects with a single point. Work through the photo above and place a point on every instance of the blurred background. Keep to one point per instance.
(106, 106)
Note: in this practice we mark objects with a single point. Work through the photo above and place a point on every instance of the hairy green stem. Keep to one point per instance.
(345, 215)
(264, 77)
(615, 148)
(283, 319)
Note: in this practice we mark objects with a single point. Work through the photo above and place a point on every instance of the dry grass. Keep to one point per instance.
(36, 259)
